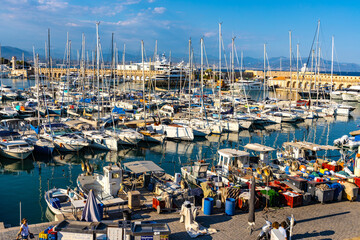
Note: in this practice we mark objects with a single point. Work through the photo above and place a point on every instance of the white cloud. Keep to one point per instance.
(16, 1)
(52, 5)
(209, 34)
(159, 10)
(70, 24)
(151, 1)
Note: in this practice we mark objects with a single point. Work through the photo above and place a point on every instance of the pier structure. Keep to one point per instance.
(307, 80)
(57, 73)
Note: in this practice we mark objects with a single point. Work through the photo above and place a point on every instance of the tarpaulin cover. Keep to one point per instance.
(118, 110)
(36, 129)
(91, 212)
(338, 189)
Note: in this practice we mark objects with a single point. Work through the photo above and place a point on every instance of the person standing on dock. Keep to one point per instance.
(24, 232)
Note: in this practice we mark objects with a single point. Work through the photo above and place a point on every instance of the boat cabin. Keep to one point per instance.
(232, 158)
(264, 151)
(112, 180)
(200, 169)
(304, 150)
(301, 150)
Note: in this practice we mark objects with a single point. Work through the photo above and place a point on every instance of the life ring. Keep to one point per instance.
(295, 165)
(259, 115)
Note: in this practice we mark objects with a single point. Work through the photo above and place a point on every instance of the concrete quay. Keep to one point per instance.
(338, 220)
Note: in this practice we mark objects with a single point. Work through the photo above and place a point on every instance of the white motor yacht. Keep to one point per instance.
(13, 146)
(64, 138)
(101, 140)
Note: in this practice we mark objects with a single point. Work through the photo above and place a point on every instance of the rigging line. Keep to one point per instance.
(226, 64)
(310, 53)
(206, 58)
(337, 60)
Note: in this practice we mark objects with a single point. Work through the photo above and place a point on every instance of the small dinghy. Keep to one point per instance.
(59, 200)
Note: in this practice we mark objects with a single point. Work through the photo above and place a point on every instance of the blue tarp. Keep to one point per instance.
(118, 110)
(338, 189)
(357, 138)
(36, 129)
(86, 100)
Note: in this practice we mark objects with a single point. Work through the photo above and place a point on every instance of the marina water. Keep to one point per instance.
(26, 181)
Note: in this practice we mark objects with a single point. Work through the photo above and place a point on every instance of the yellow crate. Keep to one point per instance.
(43, 235)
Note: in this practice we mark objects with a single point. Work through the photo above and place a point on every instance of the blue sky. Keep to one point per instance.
(172, 22)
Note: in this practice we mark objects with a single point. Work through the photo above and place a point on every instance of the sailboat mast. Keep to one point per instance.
(290, 69)
(241, 64)
(202, 77)
(332, 65)
(98, 69)
(143, 77)
(219, 113)
(123, 62)
(169, 71)
(190, 76)
(297, 66)
(232, 72)
(264, 95)
(83, 66)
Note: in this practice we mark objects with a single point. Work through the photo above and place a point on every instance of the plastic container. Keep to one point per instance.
(306, 199)
(101, 210)
(311, 187)
(208, 206)
(298, 182)
(292, 199)
(218, 203)
(43, 236)
(230, 206)
(324, 196)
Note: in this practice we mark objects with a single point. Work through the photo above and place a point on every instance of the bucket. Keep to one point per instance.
(230, 206)
(208, 206)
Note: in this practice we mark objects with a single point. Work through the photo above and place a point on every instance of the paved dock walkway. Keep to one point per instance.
(338, 220)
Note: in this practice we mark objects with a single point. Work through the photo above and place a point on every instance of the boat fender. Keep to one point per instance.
(267, 172)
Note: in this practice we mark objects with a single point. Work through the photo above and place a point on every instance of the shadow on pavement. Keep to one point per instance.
(321, 217)
(314, 235)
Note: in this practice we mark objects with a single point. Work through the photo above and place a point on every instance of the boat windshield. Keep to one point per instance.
(61, 131)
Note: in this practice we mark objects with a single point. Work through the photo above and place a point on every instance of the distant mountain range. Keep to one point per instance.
(275, 63)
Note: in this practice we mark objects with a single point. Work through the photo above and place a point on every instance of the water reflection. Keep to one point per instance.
(11, 166)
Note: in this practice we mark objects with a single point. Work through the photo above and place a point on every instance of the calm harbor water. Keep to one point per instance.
(26, 181)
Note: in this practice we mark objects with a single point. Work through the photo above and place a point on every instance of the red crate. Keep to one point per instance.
(336, 168)
(157, 202)
(292, 201)
(357, 181)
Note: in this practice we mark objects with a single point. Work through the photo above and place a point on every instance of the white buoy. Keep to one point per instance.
(177, 178)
